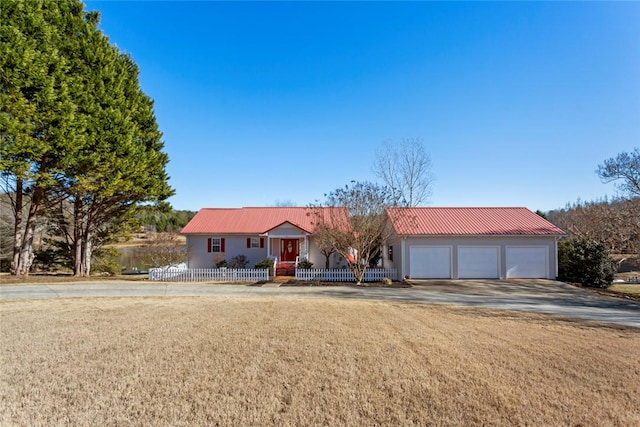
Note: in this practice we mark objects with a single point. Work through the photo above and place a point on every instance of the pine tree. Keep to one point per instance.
(37, 120)
(99, 154)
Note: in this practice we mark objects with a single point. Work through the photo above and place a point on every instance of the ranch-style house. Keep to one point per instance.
(426, 243)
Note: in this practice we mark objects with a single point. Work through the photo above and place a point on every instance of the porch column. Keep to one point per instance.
(268, 245)
(404, 257)
(306, 246)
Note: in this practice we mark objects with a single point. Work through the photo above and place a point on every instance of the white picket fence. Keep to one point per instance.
(208, 275)
(345, 275)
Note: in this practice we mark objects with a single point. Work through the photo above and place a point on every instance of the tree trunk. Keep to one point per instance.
(77, 237)
(77, 256)
(18, 235)
(86, 243)
(26, 251)
(358, 271)
(87, 250)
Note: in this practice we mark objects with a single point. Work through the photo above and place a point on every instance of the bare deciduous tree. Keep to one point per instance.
(163, 249)
(405, 168)
(354, 220)
(615, 222)
(324, 240)
(626, 167)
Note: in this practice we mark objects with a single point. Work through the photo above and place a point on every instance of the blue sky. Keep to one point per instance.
(517, 103)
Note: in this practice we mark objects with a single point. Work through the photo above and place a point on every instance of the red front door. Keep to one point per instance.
(289, 249)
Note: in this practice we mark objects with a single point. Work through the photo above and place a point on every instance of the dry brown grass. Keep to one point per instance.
(210, 361)
(49, 278)
(625, 289)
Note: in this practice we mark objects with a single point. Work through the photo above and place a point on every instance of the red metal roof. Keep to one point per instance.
(251, 220)
(470, 221)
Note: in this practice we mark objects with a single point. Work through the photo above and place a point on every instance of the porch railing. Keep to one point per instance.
(208, 275)
(345, 275)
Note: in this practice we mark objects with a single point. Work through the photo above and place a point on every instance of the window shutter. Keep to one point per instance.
(222, 245)
(248, 242)
(209, 244)
(262, 242)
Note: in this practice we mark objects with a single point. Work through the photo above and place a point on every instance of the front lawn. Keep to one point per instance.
(226, 361)
(625, 290)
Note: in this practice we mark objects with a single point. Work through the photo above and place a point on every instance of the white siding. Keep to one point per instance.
(397, 256)
(237, 245)
(234, 245)
(286, 230)
(318, 259)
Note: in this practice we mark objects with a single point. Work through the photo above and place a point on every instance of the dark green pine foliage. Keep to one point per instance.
(37, 114)
(111, 159)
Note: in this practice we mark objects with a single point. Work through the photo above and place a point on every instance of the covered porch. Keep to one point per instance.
(287, 245)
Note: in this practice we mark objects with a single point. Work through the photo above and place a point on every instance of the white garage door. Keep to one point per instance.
(527, 262)
(478, 262)
(430, 262)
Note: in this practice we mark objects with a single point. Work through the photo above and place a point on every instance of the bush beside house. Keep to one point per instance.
(585, 261)
(265, 263)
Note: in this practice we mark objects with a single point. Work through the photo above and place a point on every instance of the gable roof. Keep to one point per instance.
(470, 221)
(250, 220)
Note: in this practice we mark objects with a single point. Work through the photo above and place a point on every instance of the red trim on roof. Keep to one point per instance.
(470, 221)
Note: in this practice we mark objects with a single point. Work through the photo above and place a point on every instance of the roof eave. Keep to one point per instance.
(286, 222)
(481, 235)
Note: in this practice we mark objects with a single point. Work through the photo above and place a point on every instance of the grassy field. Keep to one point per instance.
(48, 278)
(625, 289)
(217, 361)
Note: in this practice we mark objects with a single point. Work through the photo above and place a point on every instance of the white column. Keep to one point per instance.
(404, 257)
(268, 245)
(555, 255)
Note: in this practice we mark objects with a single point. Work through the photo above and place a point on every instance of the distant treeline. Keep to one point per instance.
(615, 222)
(164, 221)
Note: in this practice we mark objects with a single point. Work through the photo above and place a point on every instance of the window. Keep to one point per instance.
(255, 242)
(215, 244)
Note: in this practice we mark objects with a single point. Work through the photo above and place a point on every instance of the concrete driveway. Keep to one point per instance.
(540, 296)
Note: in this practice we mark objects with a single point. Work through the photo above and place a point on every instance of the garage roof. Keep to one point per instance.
(255, 220)
(470, 221)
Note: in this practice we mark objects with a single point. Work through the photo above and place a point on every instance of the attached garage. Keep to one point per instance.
(473, 243)
(478, 262)
(527, 262)
(430, 262)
